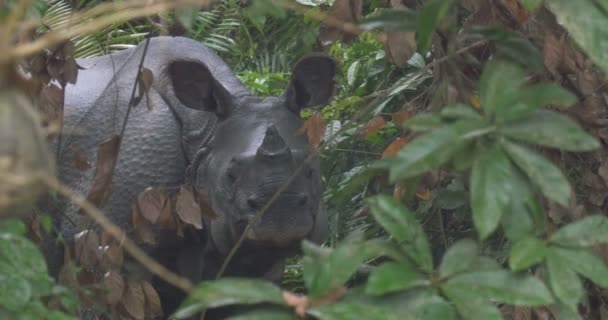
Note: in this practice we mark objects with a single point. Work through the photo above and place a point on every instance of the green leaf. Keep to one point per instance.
(431, 150)
(491, 188)
(186, 16)
(352, 310)
(260, 8)
(544, 174)
(537, 96)
(424, 122)
(586, 24)
(458, 258)
(15, 292)
(585, 232)
(564, 282)
(325, 272)
(393, 276)
(384, 248)
(403, 226)
(265, 314)
(531, 5)
(503, 286)
(526, 253)
(550, 129)
(519, 222)
(13, 225)
(470, 305)
(511, 46)
(430, 15)
(499, 84)
(416, 304)
(459, 111)
(227, 291)
(584, 263)
(392, 20)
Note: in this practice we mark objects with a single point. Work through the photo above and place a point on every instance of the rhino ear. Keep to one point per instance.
(196, 88)
(312, 82)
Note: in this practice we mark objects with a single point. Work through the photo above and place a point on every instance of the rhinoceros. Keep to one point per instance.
(204, 128)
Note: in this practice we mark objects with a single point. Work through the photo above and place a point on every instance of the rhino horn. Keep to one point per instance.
(273, 145)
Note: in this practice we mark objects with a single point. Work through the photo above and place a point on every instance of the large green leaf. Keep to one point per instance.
(503, 286)
(430, 15)
(526, 253)
(458, 258)
(584, 263)
(431, 150)
(469, 305)
(393, 276)
(15, 292)
(325, 272)
(537, 96)
(459, 111)
(227, 291)
(544, 174)
(585, 232)
(492, 186)
(511, 46)
(499, 84)
(404, 228)
(550, 129)
(353, 310)
(265, 314)
(564, 282)
(586, 24)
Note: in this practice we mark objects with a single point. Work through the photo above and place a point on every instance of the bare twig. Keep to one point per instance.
(113, 230)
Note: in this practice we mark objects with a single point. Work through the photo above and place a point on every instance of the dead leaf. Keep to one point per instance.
(516, 10)
(80, 161)
(86, 249)
(50, 103)
(112, 257)
(314, 128)
(371, 127)
(299, 303)
(34, 229)
(203, 201)
(394, 147)
(424, 195)
(401, 116)
(144, 83)
(475, 102)
(553, 49)
(399, 191)
(331, 297)
(187, 209)
(134, 300)
(142, 227)
(151, 203)
(68, 275)
(107, 153)
(114, 286)
(399, 46)
(343, 11)
(154, 308)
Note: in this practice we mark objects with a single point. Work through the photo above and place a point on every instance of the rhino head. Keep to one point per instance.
(253, 153)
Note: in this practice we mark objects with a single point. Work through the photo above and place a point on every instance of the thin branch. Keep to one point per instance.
(113, 230)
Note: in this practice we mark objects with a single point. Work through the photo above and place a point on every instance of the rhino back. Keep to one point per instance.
(161, 135)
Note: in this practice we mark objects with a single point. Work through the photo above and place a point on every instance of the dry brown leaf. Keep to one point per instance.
(371, 127)
(345, 11)
(424, 195)
(394, 147)
(144, 82)
(34, 228)
(86, 249)
(143, 228)
(314, 127)
(299, 303)
(167, 219)
(107, 153)
(331, 297)
(517, 11)
(154, 309)
(203, 201)
(112, 257)
(68, 276)
(399, 46)
(151, 202)
(399, 191)
(187, 209)
(134, 300)
(80, 161)
(114, 285)
(50, 103)
(401, 116)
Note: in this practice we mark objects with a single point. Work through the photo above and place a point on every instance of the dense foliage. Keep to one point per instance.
(463, 156)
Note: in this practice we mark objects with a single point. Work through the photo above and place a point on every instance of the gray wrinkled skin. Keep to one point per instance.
(205, 129)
